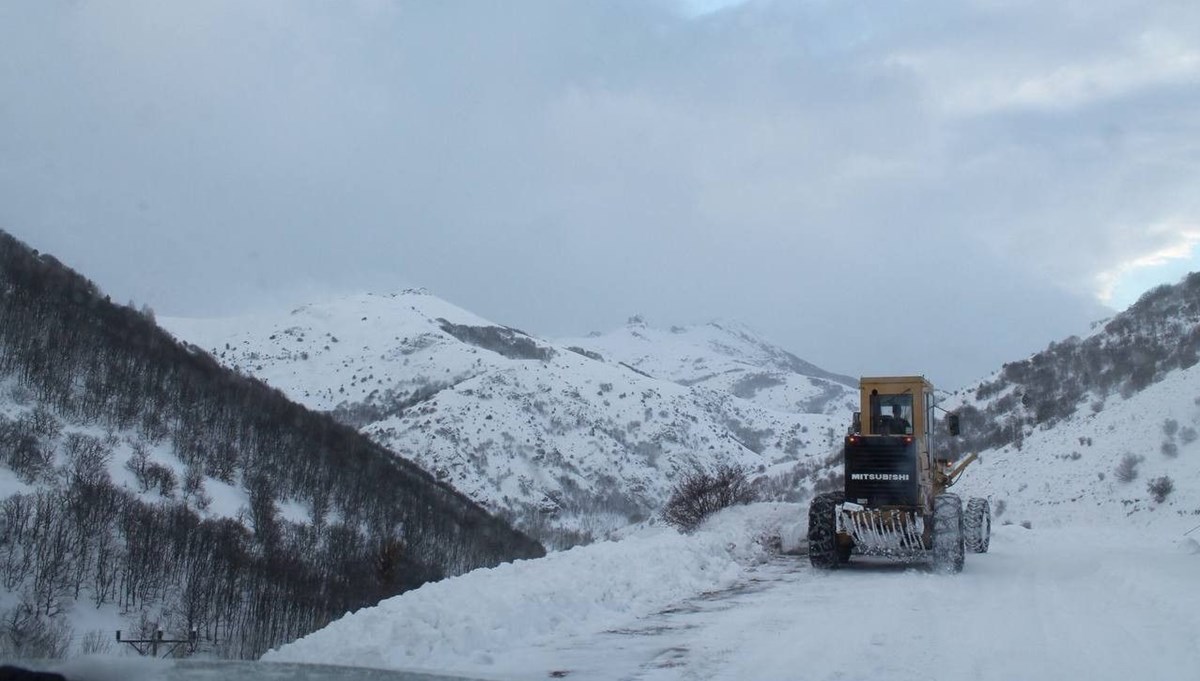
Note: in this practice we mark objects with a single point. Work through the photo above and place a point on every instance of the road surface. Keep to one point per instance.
(1052, 604)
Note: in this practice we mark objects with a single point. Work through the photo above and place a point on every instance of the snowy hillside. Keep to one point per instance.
(143, 486)
(363, 350)
(1075, 471)
(567, 441)
(1080, 431)
(729, 357)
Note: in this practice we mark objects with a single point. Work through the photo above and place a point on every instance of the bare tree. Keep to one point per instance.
(700, 494)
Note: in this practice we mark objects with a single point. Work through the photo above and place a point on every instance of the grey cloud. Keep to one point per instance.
(834, 174)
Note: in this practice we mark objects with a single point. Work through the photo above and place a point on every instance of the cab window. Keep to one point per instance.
(893, 415)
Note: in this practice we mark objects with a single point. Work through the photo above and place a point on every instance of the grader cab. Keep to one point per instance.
(894, 502)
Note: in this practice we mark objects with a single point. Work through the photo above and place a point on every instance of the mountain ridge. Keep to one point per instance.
(548, 432)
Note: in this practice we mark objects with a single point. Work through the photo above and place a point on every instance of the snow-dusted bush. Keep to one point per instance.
(1187, 435)
(1160, 488)
(1170, 427)
(831, 482)
(27, 633)
(1170, 449)
(96, 642)
(1127, 469)
(700, 494)
(162, 478)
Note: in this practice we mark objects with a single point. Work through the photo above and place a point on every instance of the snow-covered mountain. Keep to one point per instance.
(729, 357)
(1083, 430)
(563, 438)
(561, 434)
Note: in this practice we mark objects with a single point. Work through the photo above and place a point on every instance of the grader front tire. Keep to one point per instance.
(948, 540)
(822, 531)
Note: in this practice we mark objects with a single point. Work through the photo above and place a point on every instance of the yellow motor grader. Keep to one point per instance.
(895, 501)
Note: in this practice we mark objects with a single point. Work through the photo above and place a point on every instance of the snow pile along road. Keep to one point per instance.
(1105, 603)
(466, 622)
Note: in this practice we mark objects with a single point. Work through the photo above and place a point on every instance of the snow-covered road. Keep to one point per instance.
(1043, 604)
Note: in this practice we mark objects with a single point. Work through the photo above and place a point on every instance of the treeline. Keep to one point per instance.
(1137, 348)
(379, 524)
(94, 543)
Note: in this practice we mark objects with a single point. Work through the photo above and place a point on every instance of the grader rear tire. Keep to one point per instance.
(948, 540)
(822, 531)
(978, 525)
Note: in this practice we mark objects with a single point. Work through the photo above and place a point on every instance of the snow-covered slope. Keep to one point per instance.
(565, 440)
(358, 350)
(1081, 431)
(729, 357)
(1069, 473)
(143, 486)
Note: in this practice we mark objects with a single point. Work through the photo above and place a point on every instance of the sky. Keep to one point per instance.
(880, 187)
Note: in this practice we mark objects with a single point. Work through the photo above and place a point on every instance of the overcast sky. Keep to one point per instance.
(878, 186)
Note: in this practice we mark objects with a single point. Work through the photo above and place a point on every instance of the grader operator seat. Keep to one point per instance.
(891, 413)
(896, 424)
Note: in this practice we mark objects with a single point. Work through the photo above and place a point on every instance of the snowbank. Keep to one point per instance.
(462, 622)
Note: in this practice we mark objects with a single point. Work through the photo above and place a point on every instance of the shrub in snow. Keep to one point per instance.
(162, 478)
(700, 494)
(833, 481)
(1127, 469)
(96, 642)
(1188, 435)
(1170, 449)
(1160, 488)
(1170, 427)
(27, 633)
(1026, 524)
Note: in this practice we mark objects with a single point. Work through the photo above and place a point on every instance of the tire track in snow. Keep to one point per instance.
(1042, 606)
